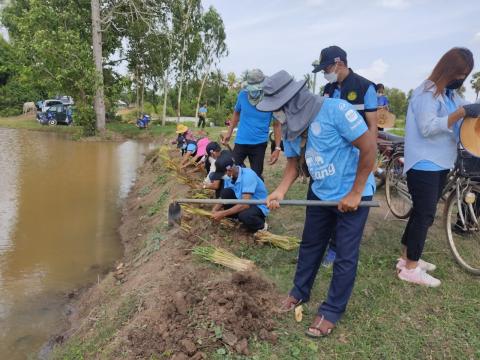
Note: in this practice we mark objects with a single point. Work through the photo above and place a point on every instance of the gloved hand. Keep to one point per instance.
(472, 110)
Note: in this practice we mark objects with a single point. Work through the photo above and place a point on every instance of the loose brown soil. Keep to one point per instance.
(163, 302)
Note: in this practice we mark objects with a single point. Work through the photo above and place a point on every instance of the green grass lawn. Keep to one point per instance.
(29, 123)
(125, 129)
(386, 318)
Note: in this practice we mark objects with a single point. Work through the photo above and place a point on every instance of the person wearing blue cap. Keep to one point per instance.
(331, 139)
(253, 126)
(344, 83)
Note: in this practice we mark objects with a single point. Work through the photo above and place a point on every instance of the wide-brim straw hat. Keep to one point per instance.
(385, 118)
(181, 128)
(470, 135)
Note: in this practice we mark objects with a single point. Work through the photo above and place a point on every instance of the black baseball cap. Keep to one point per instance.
(329, 56)
(212, 147)
(223, 163)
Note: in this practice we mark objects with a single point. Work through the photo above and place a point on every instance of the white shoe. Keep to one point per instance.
(418, 276)
(424, 265)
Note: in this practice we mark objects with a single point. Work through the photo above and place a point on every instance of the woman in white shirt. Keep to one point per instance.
(433, 120)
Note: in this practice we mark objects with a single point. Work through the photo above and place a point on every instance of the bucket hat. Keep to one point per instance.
(278, 89)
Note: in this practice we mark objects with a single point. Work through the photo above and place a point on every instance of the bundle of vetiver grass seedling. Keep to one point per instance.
(192, 182)
(223, 257)
(201, 212)
(185, 227)
(201, 195)
(281, 241)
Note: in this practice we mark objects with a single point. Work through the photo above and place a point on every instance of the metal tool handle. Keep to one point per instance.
(264, 202)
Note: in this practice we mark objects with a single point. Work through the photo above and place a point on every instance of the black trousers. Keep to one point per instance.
(255, 154)
(201, 121)
(426, 188)
(252, 218)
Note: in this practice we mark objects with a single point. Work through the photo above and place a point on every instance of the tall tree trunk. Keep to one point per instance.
(201, 90)
(99, 103)
(165, 93)
(142, 95)
(137, 93)
(182, 62)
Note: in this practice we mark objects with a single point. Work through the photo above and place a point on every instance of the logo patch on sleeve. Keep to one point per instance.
(352, 95)
(351, 115)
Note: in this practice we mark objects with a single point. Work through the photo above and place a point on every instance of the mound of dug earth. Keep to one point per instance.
(202, 315)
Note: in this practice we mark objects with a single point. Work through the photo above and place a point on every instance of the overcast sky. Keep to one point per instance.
(396, 42)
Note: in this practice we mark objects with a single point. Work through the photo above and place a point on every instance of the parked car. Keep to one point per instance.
(66, 100)
(56, 114)
(50, 102)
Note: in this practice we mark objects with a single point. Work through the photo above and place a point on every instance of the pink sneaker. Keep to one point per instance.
(418, 276)
(425, 266)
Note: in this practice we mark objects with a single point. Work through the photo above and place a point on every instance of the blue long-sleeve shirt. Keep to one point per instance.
(428, 137)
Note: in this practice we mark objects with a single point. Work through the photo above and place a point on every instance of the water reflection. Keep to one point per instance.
(8, 186)
(59, 217)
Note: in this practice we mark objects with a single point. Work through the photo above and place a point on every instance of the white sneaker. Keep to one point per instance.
(418, 276)
(424, 265)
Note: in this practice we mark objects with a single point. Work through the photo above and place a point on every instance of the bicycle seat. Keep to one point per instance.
(395, 139)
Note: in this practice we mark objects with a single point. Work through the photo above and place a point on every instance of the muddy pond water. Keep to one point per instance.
(60, 208)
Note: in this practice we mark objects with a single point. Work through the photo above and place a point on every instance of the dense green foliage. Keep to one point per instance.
(161, 43)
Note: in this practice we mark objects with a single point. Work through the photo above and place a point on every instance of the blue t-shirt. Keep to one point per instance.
(254, 125)
(192, 147)
(382, 100)
(331, 158)
(427, 165)
(248, 182)
(202, 110)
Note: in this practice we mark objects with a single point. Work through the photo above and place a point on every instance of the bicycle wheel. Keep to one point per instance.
(396, 190)
(464, 234)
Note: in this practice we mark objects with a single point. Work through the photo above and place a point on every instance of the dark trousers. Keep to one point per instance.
(218, 192)
(426, 188)
(320, 222)
(253, 218)
(255, 154)
(201, 121)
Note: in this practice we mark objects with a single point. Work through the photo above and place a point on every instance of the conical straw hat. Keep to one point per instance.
(470, 135)
(385, 118)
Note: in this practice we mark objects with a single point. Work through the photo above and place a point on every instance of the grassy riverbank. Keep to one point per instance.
(162, 303)
(116, 130)
(28, 122)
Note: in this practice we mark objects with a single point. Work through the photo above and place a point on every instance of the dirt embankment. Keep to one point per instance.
(160, 302)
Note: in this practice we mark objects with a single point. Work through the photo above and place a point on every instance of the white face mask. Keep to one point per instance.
(280, 116)
(332, 76)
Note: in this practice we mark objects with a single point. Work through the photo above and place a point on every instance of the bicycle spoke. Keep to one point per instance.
(396, 190)
(463, 230)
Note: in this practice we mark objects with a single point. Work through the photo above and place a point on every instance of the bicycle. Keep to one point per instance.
(386, 143)
(396, 189)
(462, 213)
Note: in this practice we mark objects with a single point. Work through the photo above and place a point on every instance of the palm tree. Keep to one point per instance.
(476, 83)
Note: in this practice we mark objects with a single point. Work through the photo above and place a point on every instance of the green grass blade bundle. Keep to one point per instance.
(223, 257)
(281, 241)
